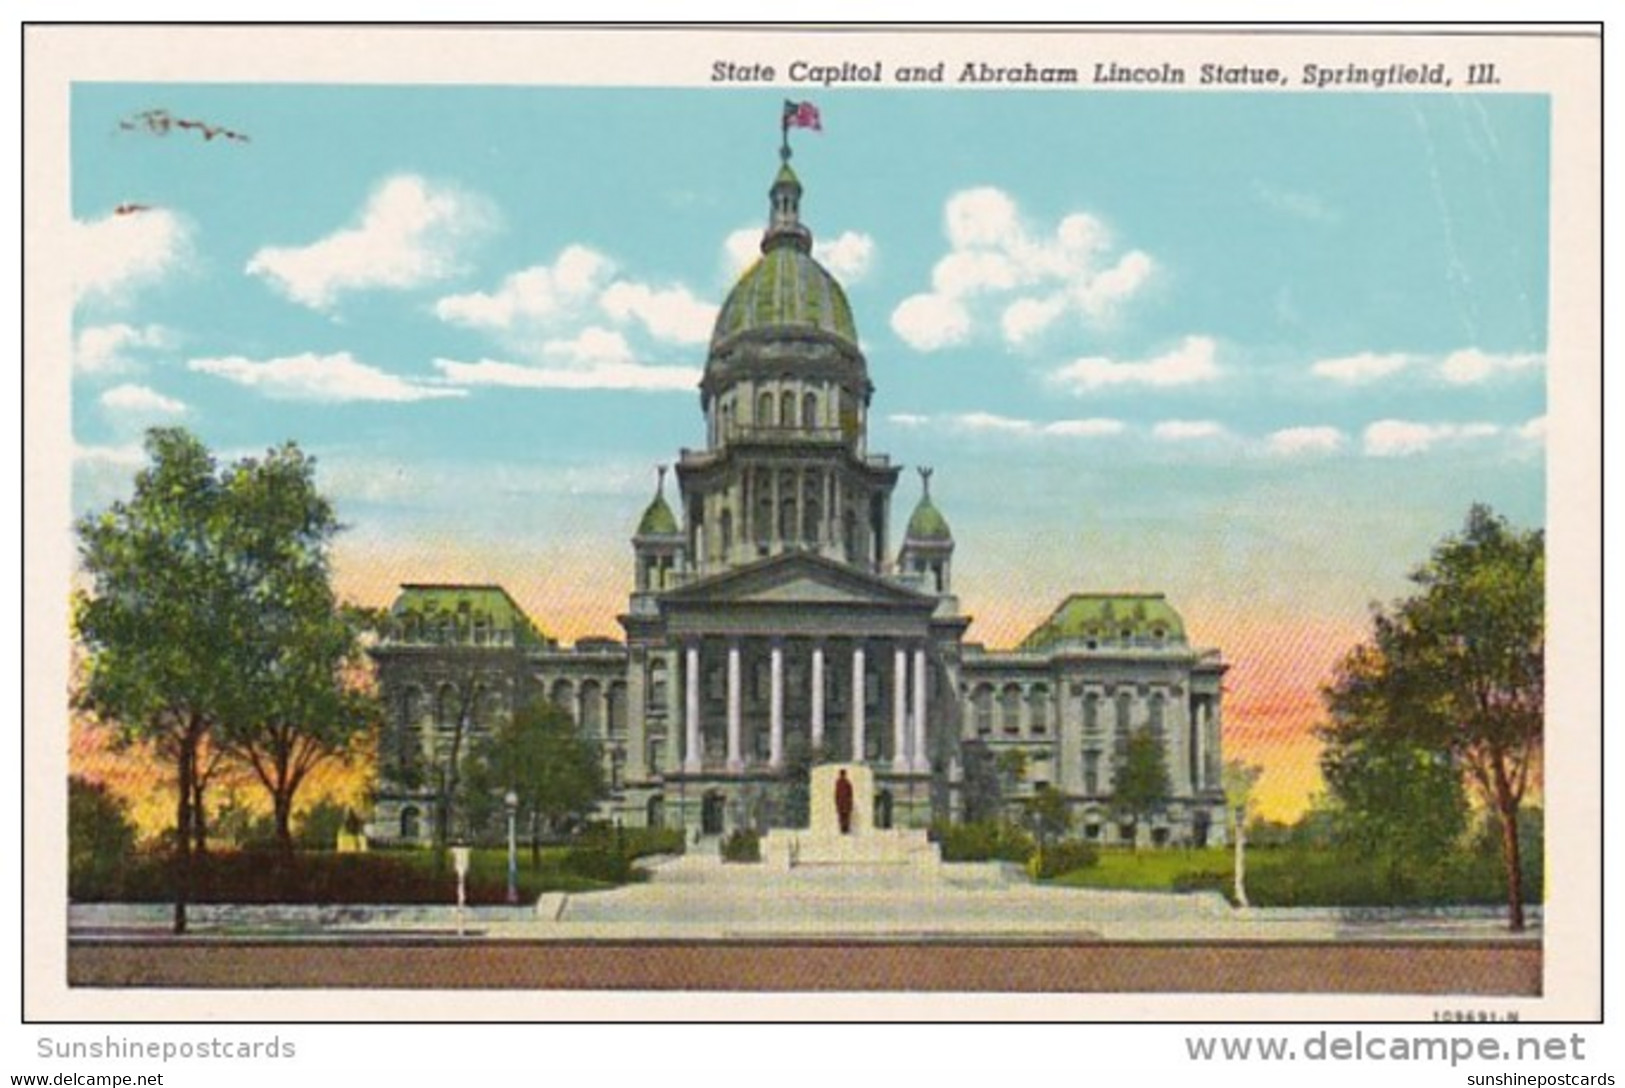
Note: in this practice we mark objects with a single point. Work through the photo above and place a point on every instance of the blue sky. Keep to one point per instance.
(1256, 347)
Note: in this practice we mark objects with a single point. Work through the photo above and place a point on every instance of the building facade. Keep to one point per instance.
(775, 622)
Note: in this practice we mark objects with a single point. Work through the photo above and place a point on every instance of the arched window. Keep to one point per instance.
(445, 707)
(1091, 711)
(764, 518)
(1010, 708)
(410, 823)
(809, 410)
(1125, 712)
(1038, 708)
(657, 684)
(564, 697)
(617, 709)
(592, 708)
(787, 409)
(982, 700)
(725, 528)
(764, 410)
(809, 522)
(787, 520)
(1158, 714)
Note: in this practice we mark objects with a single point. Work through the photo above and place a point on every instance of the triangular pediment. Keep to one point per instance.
(797, 579)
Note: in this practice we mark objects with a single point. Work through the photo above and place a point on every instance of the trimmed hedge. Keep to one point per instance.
(986, 840)
(743, 845)
(1059, 858)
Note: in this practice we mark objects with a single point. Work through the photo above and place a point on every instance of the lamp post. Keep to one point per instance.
(512, 801)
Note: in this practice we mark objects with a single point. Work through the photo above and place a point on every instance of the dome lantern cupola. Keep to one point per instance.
(658, 542)
(928, 545)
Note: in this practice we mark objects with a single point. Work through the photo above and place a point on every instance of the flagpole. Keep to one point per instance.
(784, 136)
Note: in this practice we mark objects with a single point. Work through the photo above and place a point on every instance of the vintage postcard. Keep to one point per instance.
(922, 523)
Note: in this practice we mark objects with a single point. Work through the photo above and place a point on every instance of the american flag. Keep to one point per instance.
(802, 115)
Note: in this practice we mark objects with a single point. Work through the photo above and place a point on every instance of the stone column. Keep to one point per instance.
(857, 703)
(921, 762)
(637, 705)
(671, 756)
(899, 709)
(776, 738)
(691, 714)
(735, 763)
(817, 698)
(1198, 768)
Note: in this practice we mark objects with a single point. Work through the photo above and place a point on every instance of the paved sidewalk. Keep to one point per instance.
(700, 898)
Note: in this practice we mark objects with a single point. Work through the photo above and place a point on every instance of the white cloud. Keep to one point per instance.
(1027, 317)
(107, 349)
(672, 314)
(114, 257)
(1470, 365)
(741, 248)
(992, 423)
(1184, 430)
(1292, 441)
(988, 421)
(593, 347)
(1305, 206)
(1085, 428)
(409, 233)
(1033, 278)
(1398, 437)
(333, 378)
(847, 256)
(1360, 369)
(140, 400)
(1192, 361)
(929, 322)
(535, 295)
(1534, 430)
(128, 457)
(603, 375)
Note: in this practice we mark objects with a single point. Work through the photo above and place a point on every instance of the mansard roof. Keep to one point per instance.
(428, 600)
(1109, 618)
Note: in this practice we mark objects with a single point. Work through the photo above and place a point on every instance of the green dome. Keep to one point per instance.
(658, 520)
(927, 523)
(786, 290)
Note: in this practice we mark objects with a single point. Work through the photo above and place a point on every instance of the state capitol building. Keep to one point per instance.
(775, 619)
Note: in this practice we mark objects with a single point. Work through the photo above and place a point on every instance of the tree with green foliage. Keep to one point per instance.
(1140, 782)
(101, 836)
(540, 755)
(157, 621)
(299, 705)
(1048, 815)
(1394, 802)
(1457, 669)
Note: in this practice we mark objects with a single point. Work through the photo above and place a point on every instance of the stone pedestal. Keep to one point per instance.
(822, 843)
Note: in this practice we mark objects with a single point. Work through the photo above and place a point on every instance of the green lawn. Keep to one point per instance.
(1302, 877)
(1149, 869)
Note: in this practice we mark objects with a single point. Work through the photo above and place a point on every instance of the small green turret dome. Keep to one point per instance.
(927, 522)
(658, 519)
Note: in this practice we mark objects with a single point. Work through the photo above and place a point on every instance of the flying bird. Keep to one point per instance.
(160, 122)
(131, 209)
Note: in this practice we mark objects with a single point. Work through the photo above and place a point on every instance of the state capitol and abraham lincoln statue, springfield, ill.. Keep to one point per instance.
(769, 627)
